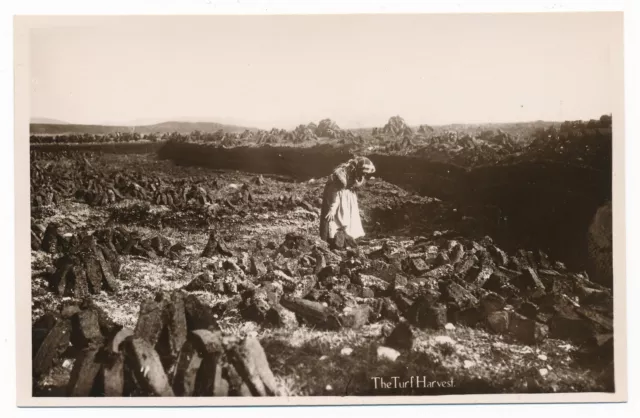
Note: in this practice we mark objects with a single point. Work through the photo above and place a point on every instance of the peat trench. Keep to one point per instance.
(543, 204)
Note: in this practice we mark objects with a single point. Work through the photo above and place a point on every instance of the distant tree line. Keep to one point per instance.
(111, 138)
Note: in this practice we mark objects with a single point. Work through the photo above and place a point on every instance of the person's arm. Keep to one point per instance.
(333, 206)
(359, 182)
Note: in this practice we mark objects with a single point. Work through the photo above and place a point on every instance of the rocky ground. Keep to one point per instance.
(426, 293)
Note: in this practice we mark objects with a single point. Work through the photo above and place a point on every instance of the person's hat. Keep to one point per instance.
(365, 165)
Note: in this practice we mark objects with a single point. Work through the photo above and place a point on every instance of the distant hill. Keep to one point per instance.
(37, 128)
(48, 121)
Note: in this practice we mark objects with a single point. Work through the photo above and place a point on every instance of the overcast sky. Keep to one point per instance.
(357, 70)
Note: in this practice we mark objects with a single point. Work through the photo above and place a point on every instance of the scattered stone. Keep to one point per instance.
(528, 259)
(425, 314)
(288, 283)
(379, 286)
(442, 259)
(602, 343)
(559, 266)
(499, 257)
(598, 320)
(207, 282)
(492, 302)
(444, 339)
(304, 286)
(467, 316)
(321, 263)
(249, 359)
(594, 296)
(419, 266)
(403, 300)
(216, 245)
(399, 281)
(455, 293)
(528, 309)
(176, 250)
(85, 331)
(189, 363)
(152, 319)
(147, 367)
(462, 268)
(496, 282)
(232, 266)
(356, 317)
(199, 315)
(486, 241)
(387, 353)
(530, 282)
(431, 256)
(543, 260)
(84, 373)
(441, 272)
(456, 254)
(333, 300)
(379, 268)
(360, 291)
(280, 317)
(567, 324)
(499, 321)
(346, 351)
(313, 312)
(517, 264)
(328, 272)
(51, 337)
(482, 276)
(389, 310)
(401, 338)
(52, 241)
(527, 330)
(342, 240)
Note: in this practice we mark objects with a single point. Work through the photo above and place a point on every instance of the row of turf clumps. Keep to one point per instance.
(80, 180)
(175, 349)
(88, 263)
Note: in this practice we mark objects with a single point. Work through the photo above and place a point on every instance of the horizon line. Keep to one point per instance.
(56, 121)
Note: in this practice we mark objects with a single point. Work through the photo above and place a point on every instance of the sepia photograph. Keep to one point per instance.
(390, 208)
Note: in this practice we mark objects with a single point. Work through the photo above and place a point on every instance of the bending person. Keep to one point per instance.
(340, 209)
